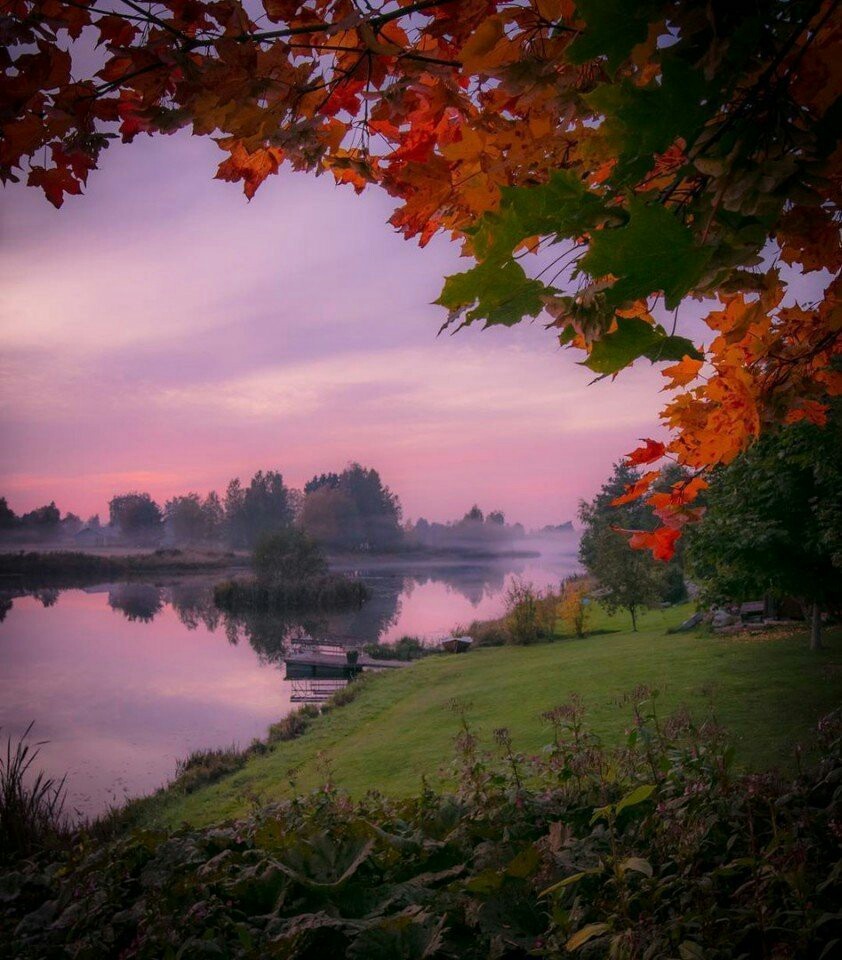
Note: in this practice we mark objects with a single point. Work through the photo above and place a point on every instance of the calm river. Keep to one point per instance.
(123, 679)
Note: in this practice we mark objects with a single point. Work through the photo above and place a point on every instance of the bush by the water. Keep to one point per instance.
(330, 592)
(407, 648)
(290, 573)
(657, 849)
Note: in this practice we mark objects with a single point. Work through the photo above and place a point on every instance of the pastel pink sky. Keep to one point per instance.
(161, 333)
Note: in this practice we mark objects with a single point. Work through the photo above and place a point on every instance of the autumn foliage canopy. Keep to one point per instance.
(608, 165)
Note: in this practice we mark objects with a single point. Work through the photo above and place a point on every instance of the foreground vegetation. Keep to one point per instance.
(652, 849)
(767, 690)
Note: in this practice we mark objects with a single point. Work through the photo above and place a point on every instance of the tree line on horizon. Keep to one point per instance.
(348, 510)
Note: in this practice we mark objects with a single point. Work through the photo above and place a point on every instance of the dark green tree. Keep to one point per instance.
(288, 554)
(185, 518)
(631, 578)
(774, 523)
(264, 506)
(136, 516)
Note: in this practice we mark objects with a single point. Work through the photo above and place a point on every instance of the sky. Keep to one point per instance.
(161, 333)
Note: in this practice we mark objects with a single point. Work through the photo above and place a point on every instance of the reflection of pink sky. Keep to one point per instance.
(433, 609)
(162, 333)
(121, 701)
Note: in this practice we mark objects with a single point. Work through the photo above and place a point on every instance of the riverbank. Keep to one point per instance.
(768, 691)
(66, 568)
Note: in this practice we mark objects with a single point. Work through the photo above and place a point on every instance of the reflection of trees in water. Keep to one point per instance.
(269, 634)
(369, 622)
(47, 597)
(136, 601)
(474, 583)
(193, 603)
(5, 607)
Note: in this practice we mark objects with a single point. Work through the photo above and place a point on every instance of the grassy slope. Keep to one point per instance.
(767, 692)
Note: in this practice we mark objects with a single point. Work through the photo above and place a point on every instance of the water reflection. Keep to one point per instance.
(137, 601)
(124, 678)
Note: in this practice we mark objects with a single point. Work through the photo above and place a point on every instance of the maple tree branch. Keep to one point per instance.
(150, 17)
(321, 26)
(403, 55)
(105, 13)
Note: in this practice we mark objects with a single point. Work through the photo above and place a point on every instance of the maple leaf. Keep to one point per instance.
(476, 54)
(635, 337)
(115, 31)
(651, 451)
(634, 491)
(686, 370)
(661, 541)
(252, 168)
(55, 182)
(810, 411)
(653, 252)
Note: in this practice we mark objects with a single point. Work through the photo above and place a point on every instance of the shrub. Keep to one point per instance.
(574, 605)
(485, 633)
(293, 724)
(345, 695)
(407, 648)
(522, 613)
(328, 592)
(207, 766)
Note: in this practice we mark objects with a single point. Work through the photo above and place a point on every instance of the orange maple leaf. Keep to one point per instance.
(651, 451)
(636, 490)
(682, 373)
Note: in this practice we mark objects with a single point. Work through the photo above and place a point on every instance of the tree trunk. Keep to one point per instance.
(816, 628)
(634, 619)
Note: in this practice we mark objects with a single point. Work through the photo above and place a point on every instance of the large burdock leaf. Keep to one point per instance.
(324, 862)
(653, 252)
(410, 935)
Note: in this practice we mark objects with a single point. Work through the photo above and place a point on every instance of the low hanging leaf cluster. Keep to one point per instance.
(656, 849)
(653, 160)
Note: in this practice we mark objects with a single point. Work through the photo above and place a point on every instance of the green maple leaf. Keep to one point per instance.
(635, 338)
(642, 121)
(613, 27)
(494, 292)
(652, 252)
(562, 207)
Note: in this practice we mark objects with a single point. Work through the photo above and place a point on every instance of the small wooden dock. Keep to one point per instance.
(318, 663)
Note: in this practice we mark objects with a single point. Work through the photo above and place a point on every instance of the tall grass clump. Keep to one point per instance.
(31, 804)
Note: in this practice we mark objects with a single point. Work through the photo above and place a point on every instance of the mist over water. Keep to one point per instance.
(123, 679)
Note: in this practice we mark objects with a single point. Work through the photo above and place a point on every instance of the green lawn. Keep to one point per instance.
(768, 692)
